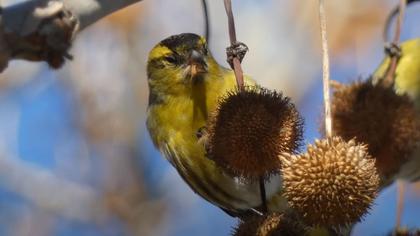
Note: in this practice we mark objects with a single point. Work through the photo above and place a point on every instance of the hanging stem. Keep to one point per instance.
(390, 75)
(325, 70)
(239, 75)
(206, 20)
(231, 21)
(394, 12)
(400, 20)
(237, 68)
(263, 196)
(393, 51)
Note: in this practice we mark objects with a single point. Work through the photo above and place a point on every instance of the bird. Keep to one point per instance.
(185, 84)
(407, 81)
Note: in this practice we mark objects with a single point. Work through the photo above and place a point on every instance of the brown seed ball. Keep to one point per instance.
(250, 129)
(377, 116)
(333, 184)
(273, 224)
(405, 232)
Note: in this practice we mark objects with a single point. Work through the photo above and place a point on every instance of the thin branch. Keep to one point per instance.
(325, 70)
(232, 36)
(206, 20)
(43, 30)
(393, 49)
(391, 16)
(239, 75)
(263, 196)
(231, 22)
(90, 11)
(20, 17)
(399, 22)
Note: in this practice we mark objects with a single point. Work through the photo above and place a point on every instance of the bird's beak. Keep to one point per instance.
(197, 64)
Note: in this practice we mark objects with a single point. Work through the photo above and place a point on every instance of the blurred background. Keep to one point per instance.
(76, 159)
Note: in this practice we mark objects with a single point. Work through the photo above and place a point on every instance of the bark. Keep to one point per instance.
(43, 30)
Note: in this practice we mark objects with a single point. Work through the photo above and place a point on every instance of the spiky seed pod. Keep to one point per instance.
(250, 129)
(377, 116)
(333, 184)
(273, 224)
(405, 232)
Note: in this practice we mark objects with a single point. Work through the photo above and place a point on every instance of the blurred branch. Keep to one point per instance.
(206, 21)
(235, 53)
(42, 30)
(49, 192)
(393, 49)
(325, 69)
(391, 16)
(90, 11)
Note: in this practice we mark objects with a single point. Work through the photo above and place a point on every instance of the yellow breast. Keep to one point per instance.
(173, 124)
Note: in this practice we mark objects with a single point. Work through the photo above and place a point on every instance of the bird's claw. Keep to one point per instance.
(202, 137)
(201, 132)
(237, 50)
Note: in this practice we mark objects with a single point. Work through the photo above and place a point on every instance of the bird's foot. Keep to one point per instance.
(201, 132)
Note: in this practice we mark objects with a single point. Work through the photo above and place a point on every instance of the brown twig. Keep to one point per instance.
(399, 22)
(325, 70)
(231, 21)
(394, 12)
(263, 196)
(232, 35)
(237, 68)
(393, 50)
(389, 76)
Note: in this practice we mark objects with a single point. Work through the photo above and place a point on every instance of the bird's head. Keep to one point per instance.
(178, 62)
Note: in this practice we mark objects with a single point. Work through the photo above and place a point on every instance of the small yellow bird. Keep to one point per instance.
(185, 83)
(407, 81)
(407, 78)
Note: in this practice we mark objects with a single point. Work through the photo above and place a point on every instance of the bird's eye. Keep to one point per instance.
(171, 59)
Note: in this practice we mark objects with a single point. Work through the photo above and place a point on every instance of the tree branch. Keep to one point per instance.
(43, 30)
(90, 11)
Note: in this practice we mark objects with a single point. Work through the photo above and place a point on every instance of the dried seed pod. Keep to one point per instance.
(333, 184)
(377, 116)
(273, 224)
(405, 232)
(250, 129)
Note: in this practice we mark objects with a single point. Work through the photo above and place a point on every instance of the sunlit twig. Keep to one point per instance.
(232, 35)
(393, 49)
(325, 69)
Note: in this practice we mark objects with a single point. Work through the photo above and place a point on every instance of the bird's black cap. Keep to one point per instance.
(185, 39)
